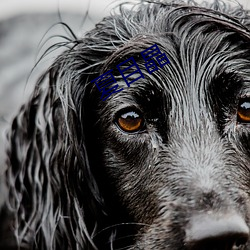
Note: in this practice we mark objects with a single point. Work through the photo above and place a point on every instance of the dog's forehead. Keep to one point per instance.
(200, 47)
(208, 56)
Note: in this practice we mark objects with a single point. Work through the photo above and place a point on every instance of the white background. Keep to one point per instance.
(96, 7)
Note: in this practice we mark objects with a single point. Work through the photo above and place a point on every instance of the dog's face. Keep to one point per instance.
(175, 145)
(162, 164)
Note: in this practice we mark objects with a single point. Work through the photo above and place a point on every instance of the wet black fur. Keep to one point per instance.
(76, 181)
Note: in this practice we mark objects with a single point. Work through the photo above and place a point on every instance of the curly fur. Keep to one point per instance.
(76, 182)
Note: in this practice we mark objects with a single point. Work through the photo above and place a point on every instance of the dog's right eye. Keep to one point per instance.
(243, 113)
(130, 121)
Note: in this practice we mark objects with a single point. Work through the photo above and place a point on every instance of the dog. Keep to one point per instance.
(162, 164)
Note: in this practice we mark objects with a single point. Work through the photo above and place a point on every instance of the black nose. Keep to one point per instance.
(217, 232)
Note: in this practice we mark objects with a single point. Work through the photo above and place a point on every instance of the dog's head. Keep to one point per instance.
(161, 164)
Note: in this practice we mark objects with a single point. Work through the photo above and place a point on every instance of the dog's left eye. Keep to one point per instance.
(130, 121)
(243, 113)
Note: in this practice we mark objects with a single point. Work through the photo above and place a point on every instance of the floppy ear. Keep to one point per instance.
(51, 186)
(54, 198)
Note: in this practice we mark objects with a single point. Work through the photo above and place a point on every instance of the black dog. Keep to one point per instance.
(162, 164)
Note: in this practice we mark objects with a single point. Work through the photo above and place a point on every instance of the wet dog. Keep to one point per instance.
(162, 164)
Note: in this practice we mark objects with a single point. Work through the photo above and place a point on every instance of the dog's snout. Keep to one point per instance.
(217, 232)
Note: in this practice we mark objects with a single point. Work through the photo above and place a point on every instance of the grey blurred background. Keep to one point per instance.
(26, 23)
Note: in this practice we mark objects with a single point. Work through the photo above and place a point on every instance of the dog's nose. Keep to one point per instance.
(217, 232)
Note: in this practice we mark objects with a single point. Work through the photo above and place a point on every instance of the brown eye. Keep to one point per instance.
(130, 121)
(243, 113)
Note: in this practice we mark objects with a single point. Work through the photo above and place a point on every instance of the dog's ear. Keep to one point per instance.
(53, 195)
(51, 186)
